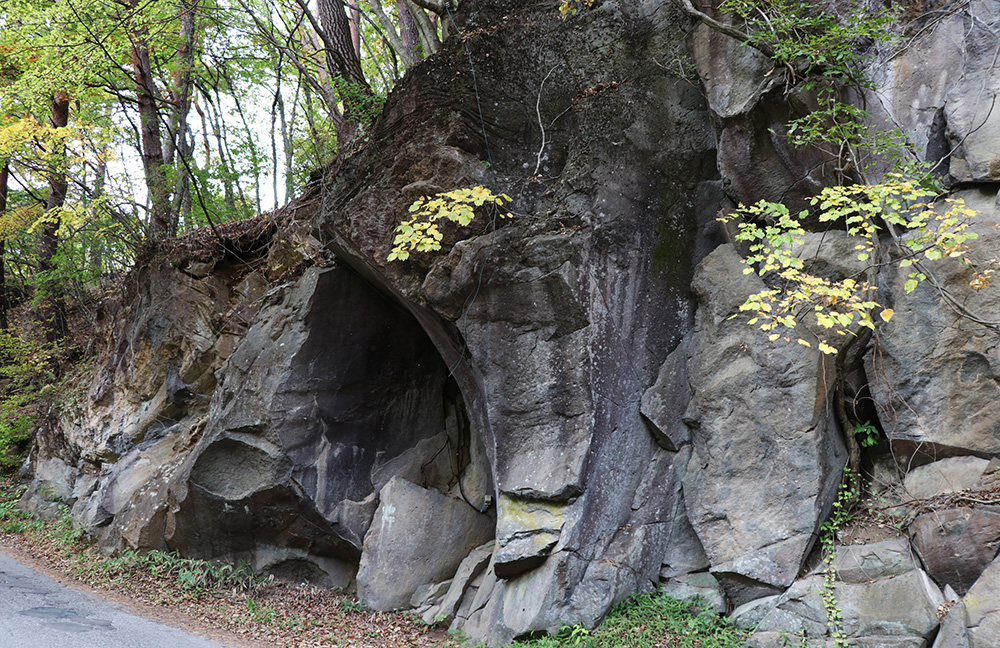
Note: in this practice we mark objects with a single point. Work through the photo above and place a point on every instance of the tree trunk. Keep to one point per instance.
(4, 174)
(345, 67)
(53, 305)
(403, 48)
(356, 30)
(408, 31)
(149, 127)
(178, 140)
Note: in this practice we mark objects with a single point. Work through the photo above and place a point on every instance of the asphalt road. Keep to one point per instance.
(38, 612)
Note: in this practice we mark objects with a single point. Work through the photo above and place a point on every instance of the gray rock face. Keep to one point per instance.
(760, 479)
(940, 88)
(895, 611)
(956, 545)
(945, 476)
(669, 395)
(469, 572)
(698, 585)
(426, 531)
(556, 323)
(548, 369)
(867, 562)
(935, 368)
(953, 633)
(982, 608)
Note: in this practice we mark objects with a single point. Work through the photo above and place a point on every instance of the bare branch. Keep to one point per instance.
(722, 28)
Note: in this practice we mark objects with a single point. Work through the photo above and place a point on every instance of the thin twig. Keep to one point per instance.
(538, 112)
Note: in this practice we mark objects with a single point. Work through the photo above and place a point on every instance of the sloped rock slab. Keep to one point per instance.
(427, 532)
(982, 608)
(956, 545)
(953, 633)
(935, 376)
(867, 562)
(468, 571)
(945, 476)
(701, 586)
(668, 396)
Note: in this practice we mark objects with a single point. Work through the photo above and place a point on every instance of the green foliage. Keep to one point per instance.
(25, 370)
(260, 613)
(650, 620)
(866, 433)
(12, 518)
(364, 105)
(935, 231)
(192, 576)
(63, 529)
(421, 233)
(806, 37)
(350, 605)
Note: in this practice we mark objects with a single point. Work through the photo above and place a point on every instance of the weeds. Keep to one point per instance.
(13, 519)
(650, 620)
(350, 605)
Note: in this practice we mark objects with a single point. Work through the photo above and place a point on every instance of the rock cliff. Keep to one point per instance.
(558, 409)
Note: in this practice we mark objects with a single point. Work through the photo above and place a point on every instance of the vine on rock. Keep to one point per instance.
(842, 513)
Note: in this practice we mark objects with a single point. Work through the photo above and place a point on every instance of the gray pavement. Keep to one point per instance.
(38, 612)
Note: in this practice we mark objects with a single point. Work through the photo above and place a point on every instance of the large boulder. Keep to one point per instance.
(898, 611)
(426, 531)
(761, 478)
(956, 544)
(945, 476)
(982, 608)
(935, 365)
(938, 90)
(555, 322)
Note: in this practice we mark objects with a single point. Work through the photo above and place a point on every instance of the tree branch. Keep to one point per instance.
(431, 5)
(728, 30)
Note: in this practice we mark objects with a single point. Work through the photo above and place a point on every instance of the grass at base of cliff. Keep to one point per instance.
(259, 613)
(650, 621)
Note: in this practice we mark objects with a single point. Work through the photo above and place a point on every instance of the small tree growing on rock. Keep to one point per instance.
(904, 219)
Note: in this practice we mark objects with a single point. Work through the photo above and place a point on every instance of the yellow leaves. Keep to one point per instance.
(924, 231)
(568, 8)
(421, 234)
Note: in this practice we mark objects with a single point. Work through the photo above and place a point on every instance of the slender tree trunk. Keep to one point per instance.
(355, 17)
(344, 64)
(288, 141)
(53, 305)
(178, 141)
(4, 174)
(403, 51)
(97, 251)
(408, 31)
(425, 28)
(149, 132)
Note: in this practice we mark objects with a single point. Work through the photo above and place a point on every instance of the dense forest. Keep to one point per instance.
(125, 123)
